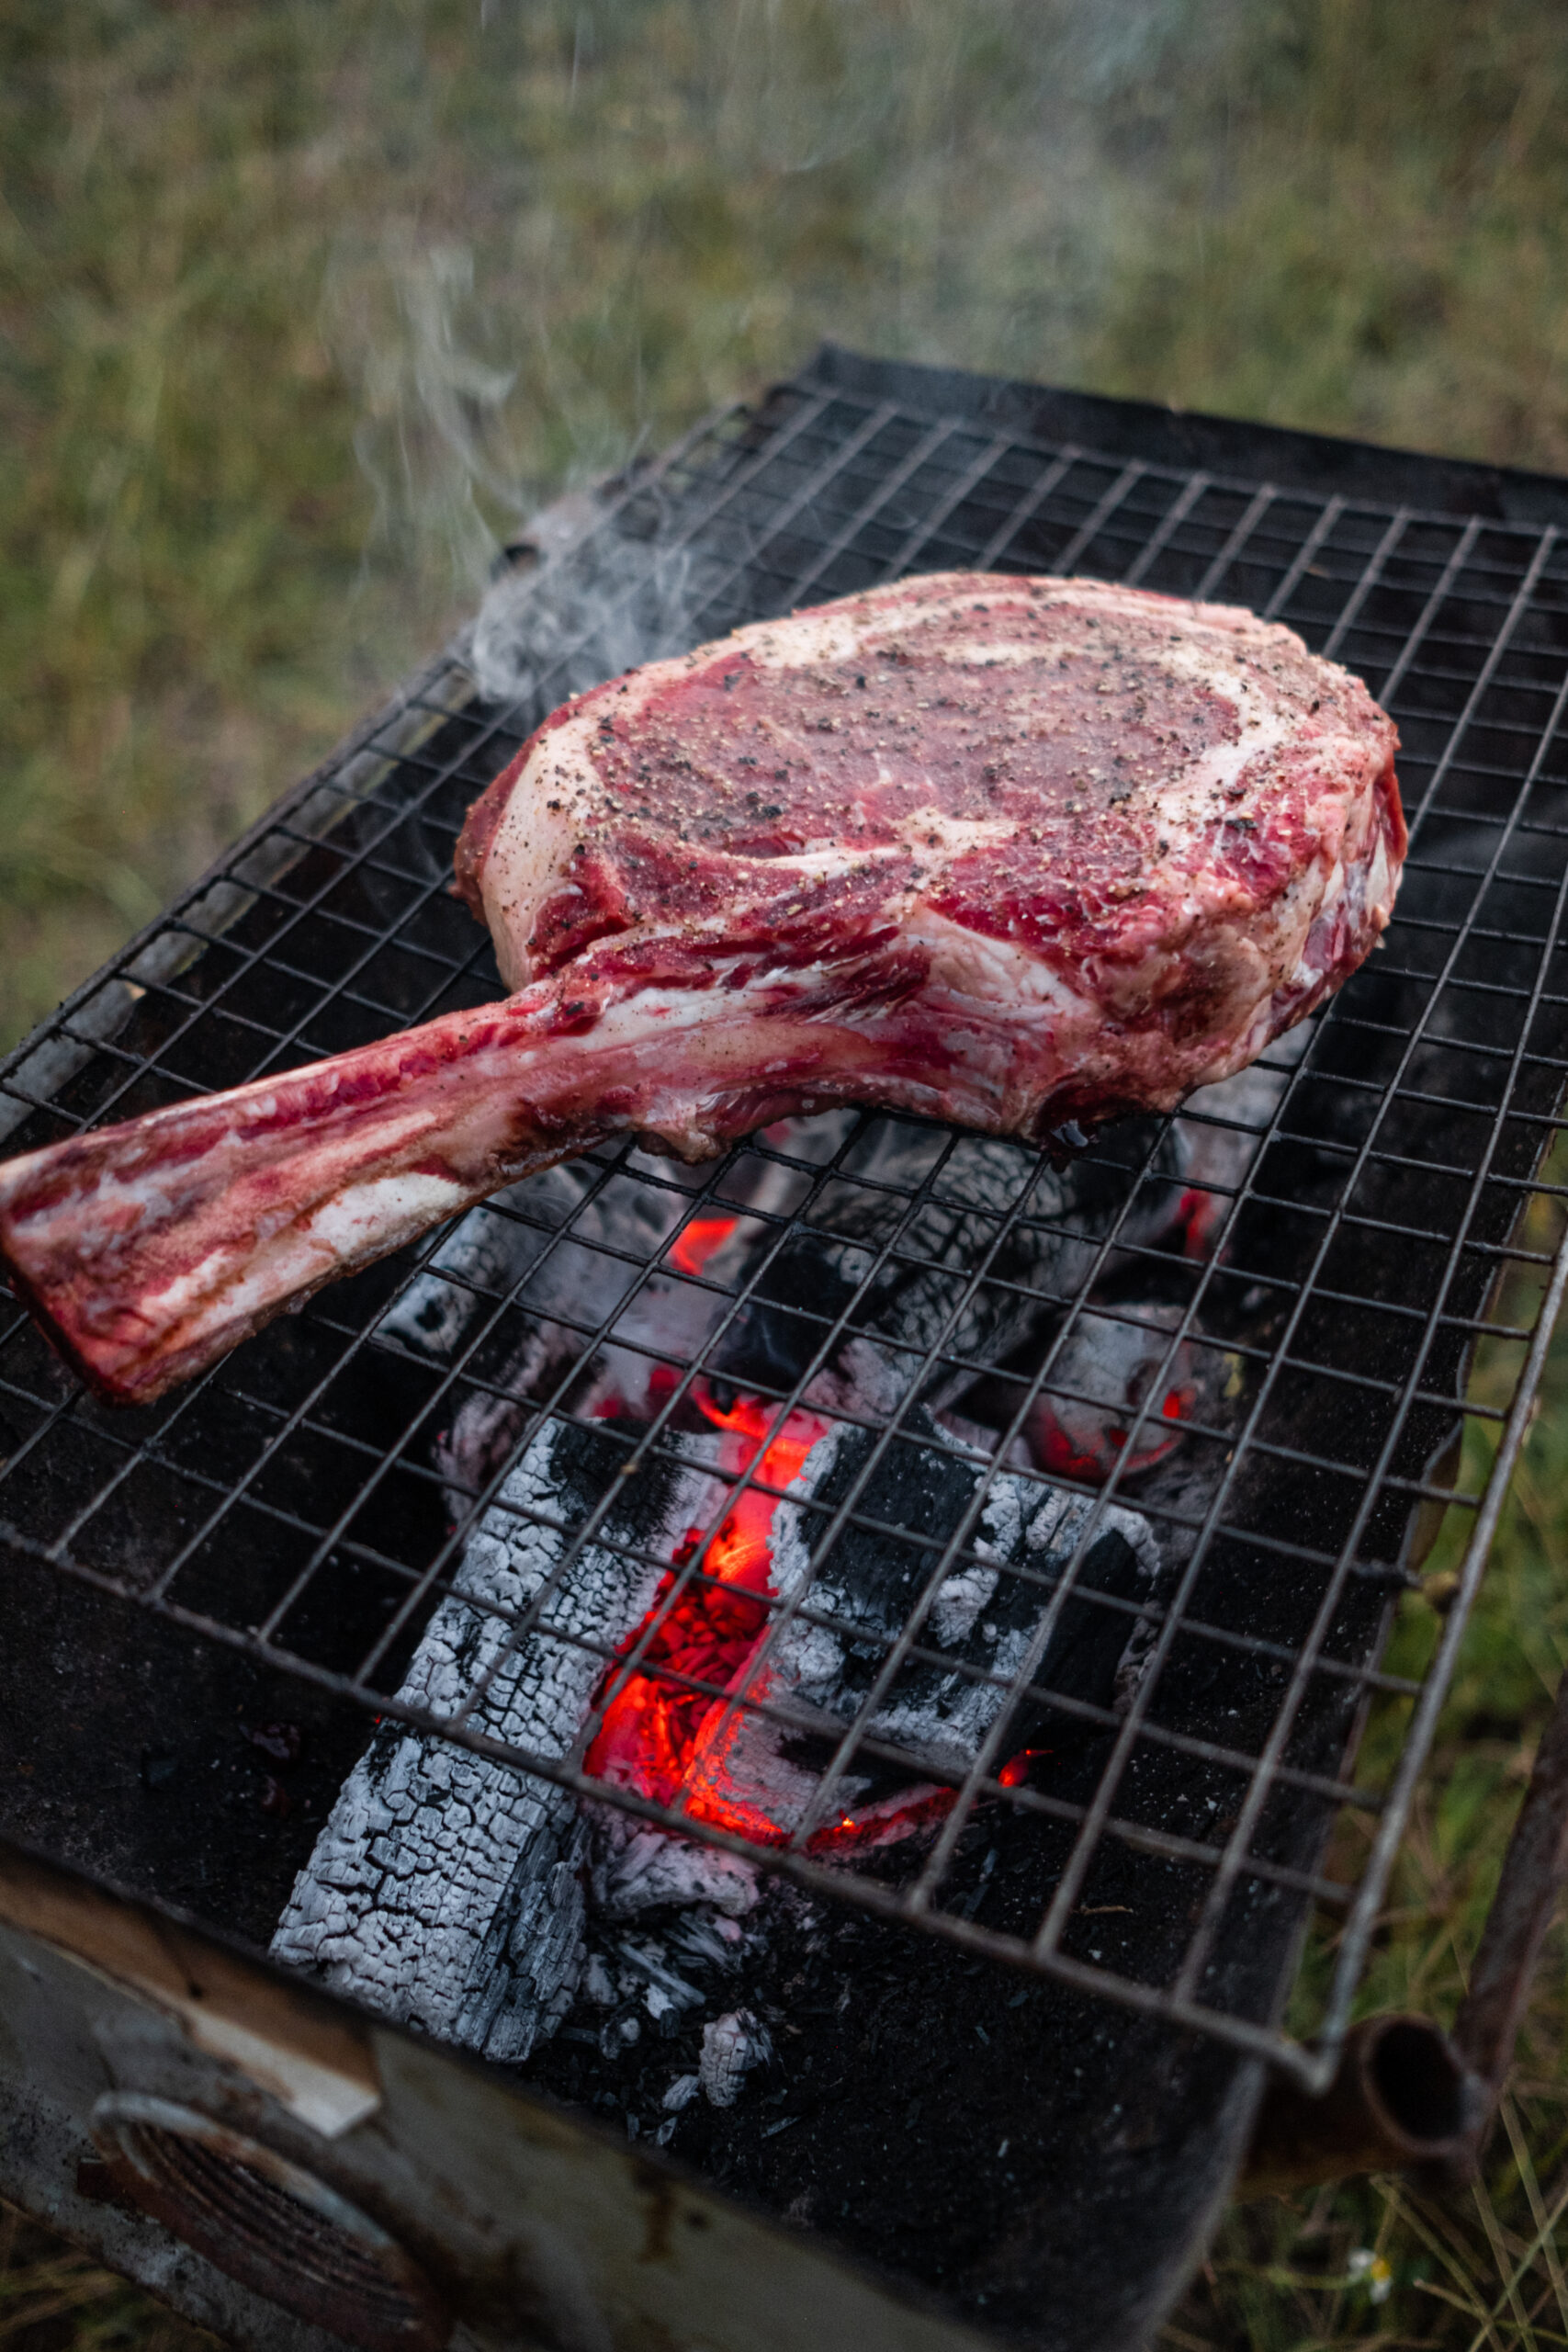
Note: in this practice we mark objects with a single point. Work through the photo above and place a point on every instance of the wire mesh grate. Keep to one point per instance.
(1229, 1356)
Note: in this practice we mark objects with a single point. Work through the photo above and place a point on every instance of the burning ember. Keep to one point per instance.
(454, 1890)
(660, 1734)
(671, 1727)
(1124, 1395)
(701, 1240)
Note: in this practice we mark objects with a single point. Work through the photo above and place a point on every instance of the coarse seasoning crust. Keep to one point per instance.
(1096, 802)
(1008, 852)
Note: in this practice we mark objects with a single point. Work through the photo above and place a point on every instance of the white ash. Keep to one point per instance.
(862, 1378)
(445, 1888)
(568, 1248)
(484, 1255)
(589, 1277)
(572, 1242)
(1054, 1526)
(563, 1240)
(959, 1601)
(648, 1963)
(710, 1937)
(1122, 1392)
(1047, 1255)
(1061, 1217)
(732, 2045)
(655, 1985)
(849, 1606)
(635, 1868)
(450, 1890)
(978, 1437)
(597, 1986)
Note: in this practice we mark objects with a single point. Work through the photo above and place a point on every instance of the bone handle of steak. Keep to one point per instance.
(147, 1251)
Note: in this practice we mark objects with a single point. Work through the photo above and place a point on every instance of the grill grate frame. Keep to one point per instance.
(1442, 1066)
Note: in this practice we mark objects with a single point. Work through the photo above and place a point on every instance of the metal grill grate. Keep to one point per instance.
(1378, 1267)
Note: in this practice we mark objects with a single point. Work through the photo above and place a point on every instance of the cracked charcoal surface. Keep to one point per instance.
(445, 1889)
(983, 1627)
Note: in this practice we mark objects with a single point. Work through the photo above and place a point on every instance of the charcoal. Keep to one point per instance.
(445, 1888)
(732, 2045)
(1122, 1388)
(1035, 1231)
(519, 1283)
(452, 1889)
(982, 1629)
(484, 1255)
(520, 1288)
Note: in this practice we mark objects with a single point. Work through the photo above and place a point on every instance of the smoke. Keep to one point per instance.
(600, 607)
(433, 439)
(649, 210)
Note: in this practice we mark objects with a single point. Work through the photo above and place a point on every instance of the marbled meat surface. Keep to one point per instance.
(1009, 852)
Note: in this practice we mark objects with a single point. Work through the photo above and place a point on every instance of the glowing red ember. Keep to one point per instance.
(670, 1729)
(1099, 1412)
(660, 1735)
(701, 1240)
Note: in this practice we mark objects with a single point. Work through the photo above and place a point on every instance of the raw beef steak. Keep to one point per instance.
(1009, 852)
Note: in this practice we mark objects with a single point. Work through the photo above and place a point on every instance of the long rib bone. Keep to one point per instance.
(148, 1249)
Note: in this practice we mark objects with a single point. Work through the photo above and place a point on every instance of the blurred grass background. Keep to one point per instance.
(301, 309)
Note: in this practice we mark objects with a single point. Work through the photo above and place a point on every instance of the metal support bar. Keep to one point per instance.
(1402, 2100)
(1407, 2096)
(1535, 1869)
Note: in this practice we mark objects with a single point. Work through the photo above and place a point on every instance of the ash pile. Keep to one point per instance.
(826, 1509)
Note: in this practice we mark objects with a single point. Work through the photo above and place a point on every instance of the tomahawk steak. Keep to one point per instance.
(1010, 852)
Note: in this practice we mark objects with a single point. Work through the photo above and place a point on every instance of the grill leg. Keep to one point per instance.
(1402, 2100)
(1535, 1869)
(1405, 2093)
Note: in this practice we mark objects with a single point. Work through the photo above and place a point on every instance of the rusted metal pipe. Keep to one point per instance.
(1403, 2101)
(1408, 2097)
(1535, 1869)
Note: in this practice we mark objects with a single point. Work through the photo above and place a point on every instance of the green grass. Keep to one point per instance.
(302, 307)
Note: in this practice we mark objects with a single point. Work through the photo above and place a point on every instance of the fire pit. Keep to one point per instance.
(842, 1663)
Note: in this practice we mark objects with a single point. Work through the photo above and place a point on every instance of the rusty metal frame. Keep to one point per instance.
(522, 2222)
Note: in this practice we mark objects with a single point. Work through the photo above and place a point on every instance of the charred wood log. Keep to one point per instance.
(446, 1887)
(454, 1890)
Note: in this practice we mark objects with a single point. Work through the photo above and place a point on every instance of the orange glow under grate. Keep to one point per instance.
(675, 1744)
